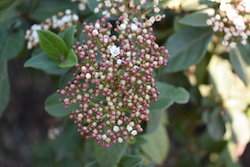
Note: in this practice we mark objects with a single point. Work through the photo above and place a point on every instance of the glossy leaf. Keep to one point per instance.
(169, 95)
(130, 161)
(109, 156)
(70, 61)
(13, 45)
(186, 48)
(197, 19)
(52, 44)
(56, 108)
(68, 36)
(240, 59)
(41, 61)
(4, 86)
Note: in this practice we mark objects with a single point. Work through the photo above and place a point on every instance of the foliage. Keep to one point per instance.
(200, 118)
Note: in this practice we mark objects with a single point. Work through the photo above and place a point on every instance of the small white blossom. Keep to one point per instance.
(116, 128)
(68, 12)
(119, 61)
(88, 75)
(129, 128)
(123, 26)
(134, 27)
(134, 132)
(95, 32)
(119, 122)
(104, 137)
(79, 97)
(120, 140)
(114, 50)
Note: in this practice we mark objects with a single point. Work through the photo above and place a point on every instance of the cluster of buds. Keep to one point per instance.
(114, 83)
(231, 22)
(62, 21)
(129, 9)
(82, 4)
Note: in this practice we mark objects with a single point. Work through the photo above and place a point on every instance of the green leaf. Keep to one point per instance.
(52, 44)
(68, 36)
(4, 86)
(7, 11)
(13, 45)
(3, 38)
(130, 161)
(56, 108)
(92, 164)
(169, 95)
(197, 19)
(240, 59)
(215, 124)
(157, 146)
(109, 157)
(186, 48)
(41, 61)
(70, 61)
(152, 124)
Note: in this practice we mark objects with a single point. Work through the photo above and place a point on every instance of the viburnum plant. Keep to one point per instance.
(121, 66)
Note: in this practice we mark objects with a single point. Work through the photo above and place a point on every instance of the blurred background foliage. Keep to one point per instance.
(210, 130)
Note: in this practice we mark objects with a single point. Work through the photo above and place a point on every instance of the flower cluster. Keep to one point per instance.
(129, 9)
(62, 21)
(114, 83)
(231, 22)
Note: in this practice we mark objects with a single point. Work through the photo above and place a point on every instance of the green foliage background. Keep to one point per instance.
(200, 118)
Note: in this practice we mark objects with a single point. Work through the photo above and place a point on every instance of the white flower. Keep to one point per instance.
(123, 26)
(129, 128)
(79, 97)
(88, 75)
(120, 140)
(116, 128)
(114, 50)
(104, 137)
(95, 32)
(119, 61)
(134, 27)
(119, 122)
(68, 12)
(75, 17)
(134, 132)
